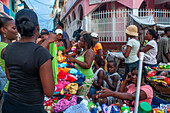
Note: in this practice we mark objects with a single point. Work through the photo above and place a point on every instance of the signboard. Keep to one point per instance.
(99, 1)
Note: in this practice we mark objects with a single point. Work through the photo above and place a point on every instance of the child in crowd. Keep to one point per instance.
(98, 77)
(128, 94)
(59, 45)
(112, 82)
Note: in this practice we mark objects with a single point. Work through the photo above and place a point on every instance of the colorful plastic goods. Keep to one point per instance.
(151, 74)
(167, 80)
(144, 107)
(125, 107)
(98, 107)
(90, 105)
(115, 109)
(154, 110)
(104, 107)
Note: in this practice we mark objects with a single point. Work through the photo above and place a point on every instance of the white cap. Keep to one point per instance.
(94, 35)
(58, 31)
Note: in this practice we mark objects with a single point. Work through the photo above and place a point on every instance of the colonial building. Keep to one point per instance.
(109, 18)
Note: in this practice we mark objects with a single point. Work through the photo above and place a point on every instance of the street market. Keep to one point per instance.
(84, 56)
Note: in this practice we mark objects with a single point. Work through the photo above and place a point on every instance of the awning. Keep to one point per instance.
(161, 1)
(144, 20)
(162, 26)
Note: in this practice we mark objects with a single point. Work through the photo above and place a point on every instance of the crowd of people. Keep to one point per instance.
(26, 72)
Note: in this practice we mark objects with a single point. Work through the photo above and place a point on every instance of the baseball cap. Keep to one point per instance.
(58, 31)
(94, 35)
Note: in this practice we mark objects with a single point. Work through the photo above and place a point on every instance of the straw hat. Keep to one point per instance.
(132, 30)
(83, 32)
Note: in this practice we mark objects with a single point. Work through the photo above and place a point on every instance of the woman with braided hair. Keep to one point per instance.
(84, 62)
(8, 33)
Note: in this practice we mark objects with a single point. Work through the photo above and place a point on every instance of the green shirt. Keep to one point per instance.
(2, 62)
(60, 48)
(88, 73)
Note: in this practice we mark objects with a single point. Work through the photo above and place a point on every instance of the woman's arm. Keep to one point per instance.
(146, 48)
(7, 73)
(115, 80)
(64, 50)
(99, 80)
(124, 96)
(127, 51)
(6, 69)
(47, 79)
(88, 59)
(122, 87)
(50, 39)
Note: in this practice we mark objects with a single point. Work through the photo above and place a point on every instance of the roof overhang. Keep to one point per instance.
(161, 1)
(92, 2)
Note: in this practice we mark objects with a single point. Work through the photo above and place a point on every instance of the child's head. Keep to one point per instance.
(99, 60)
(112, 67)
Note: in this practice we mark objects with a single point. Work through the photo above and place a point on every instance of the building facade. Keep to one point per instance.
(10, 7)
(109, 18)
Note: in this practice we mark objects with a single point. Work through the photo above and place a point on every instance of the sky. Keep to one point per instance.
(43, 9)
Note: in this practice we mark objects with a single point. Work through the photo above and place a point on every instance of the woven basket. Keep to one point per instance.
(161, 88)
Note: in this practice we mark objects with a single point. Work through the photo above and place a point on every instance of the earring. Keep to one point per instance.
(4, 35)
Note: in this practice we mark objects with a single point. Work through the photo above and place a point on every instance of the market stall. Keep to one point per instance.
(160, 82)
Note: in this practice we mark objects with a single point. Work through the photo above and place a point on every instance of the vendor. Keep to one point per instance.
(129, 94)
(150, 49)
(59, 45)
(131, 49)
(98, 50)
(84, 62)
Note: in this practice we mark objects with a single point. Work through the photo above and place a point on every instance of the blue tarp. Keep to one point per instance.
(6, 10)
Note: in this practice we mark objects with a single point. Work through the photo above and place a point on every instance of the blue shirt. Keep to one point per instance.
(65, 36)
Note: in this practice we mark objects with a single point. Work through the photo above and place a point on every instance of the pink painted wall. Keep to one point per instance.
(83, 3)
(6, 2)
(151, 5)
(131, 3)
(87, 7)
(119, 6)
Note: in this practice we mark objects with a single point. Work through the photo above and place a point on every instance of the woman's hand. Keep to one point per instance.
(105, 93)
(128, 77)
(70, 59)
(123, 48)
(52, 38)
